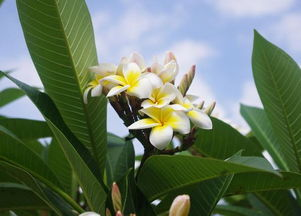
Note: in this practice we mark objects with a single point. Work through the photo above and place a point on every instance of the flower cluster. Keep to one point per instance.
(147, 99)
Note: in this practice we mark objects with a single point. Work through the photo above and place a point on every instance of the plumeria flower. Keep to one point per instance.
(169, 70)
(197, 116)
(163, 121)
(161, 96)
(89, 214)
(130, 81)
(100, 72)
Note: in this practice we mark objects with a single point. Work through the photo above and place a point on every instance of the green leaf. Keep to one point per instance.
(13, 150)
(255, 182)
(16, 196)
(9, 95)
(26, 129)
(278, 81)
(163, 174)
(222, 141)
(236, 211)
(280, 203)
(56, 199)
(79, 158)
(60, 39)
(57, 162)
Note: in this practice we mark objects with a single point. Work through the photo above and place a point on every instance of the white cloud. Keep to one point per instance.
(288, 30)
(252, 7)
(250, 95)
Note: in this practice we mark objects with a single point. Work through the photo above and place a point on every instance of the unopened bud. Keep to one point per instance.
(118, 213)
(201, 105)
(132, 214)
(186, 81)
(169, 56)
(89, 214)
(116, 197)
(210, 108)
(108, 212)
(180, 206)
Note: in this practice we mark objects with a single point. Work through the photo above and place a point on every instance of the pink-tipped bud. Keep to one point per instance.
(116, 197)
(169, 56)
(118, 213)
(108, 212)
(187, 80)
(180, 206)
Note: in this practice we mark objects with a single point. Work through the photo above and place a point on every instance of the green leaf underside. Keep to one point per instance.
(9, 95)
(163, 174)
(236, 211)
(60, 39)
(75, 152)
(222, 141)
(278, 81)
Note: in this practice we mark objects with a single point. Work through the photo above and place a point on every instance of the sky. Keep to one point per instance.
(216, 35)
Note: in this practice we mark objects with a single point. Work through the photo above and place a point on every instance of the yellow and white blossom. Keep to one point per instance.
(180, 206)
(131, 81)
(99, 72)
(161, 96)
(163, 121)
(89, 214)
(168, 71)
(197, 116)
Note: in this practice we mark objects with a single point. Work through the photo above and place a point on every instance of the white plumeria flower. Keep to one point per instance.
(100, 72)
(161, 96)
(169, 70)
(89, 214)
(197, 116)
(130, 81)
(163, 122)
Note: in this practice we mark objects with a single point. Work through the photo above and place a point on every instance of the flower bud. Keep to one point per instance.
(116, 197)
(118, 213)
(180, 206)
(132, 214)
(89, 214)
(169, 56)
(108, 212)
(186, 81)
(210, 108)
(201, 105)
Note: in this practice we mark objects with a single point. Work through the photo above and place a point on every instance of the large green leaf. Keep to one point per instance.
(222, 141)
(60, 39)
(16, 196)
(26, 129)
(9, 95)
(12, 149)
(278, 81)
(56, 199)
(255, 182)
(228, 210)
(78, 156)
(163, 174)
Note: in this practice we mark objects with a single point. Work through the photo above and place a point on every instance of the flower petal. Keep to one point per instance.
(142, 89)
(143, 124)
(116, 90)
(169, 56)
(138, 59)
(179, 122)
(156, 68)
(169, 72)
(86, 93)
(179, 107)
(153, 112)
(168, 92)
(96, 91)
(192, 98)
(160, 136)
(104, 69)
(131, 72)
(200, 119)
(147, 103)
(116, 79)
(153, 79)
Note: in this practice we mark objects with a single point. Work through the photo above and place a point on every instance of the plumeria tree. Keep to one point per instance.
(192, 164)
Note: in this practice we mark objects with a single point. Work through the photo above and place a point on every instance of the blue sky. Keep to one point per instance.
(216, 35)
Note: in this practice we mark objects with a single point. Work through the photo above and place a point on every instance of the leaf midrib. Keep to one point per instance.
(88, 123)
(293, 142)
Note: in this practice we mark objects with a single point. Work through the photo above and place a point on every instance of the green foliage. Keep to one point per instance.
(10, 94)
(60, 39)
